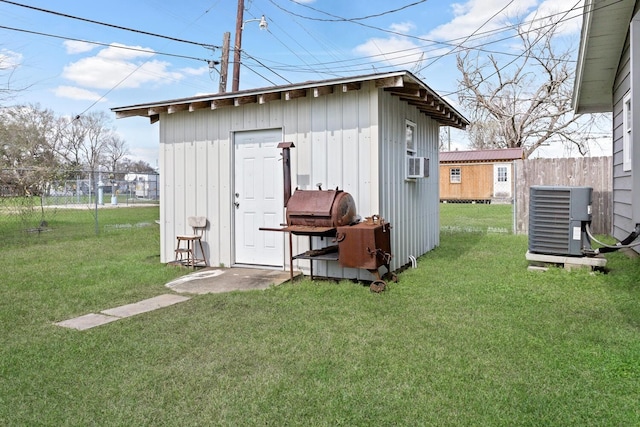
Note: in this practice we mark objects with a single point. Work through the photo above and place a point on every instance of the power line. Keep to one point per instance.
(453, 43)
(362, 18)
(526, 51)
(348, 64)
(286, 46)
(91, 21)
(468, 37)
(102, 44)
(265, 66)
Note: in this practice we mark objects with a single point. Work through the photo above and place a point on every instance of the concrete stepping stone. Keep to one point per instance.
(145, 305)
(92, 320)
(87, 321)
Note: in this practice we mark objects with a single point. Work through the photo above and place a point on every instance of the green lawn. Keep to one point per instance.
(470, 337)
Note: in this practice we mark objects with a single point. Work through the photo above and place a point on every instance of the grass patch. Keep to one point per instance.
(470, 337)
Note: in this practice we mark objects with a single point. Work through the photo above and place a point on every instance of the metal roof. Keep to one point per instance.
(505, 154)
(605, 25)
(402, 84)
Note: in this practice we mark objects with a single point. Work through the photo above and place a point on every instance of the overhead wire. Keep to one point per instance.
(524, 52)
(330, 66)
(136, 69)
(364, 66)
(468, 37)
(279, 41)
(140, 65)
(318, 64)
(362, 18)
(124, 47)
(265, 66)
(446, 43)
(295, 40)
(119, 27)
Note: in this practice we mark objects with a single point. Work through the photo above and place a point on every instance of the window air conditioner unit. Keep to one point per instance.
(557, 220)
(417, 167)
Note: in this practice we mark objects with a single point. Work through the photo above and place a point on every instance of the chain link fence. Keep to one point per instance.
(75, 206)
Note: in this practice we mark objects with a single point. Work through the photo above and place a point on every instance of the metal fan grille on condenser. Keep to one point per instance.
(557, 216)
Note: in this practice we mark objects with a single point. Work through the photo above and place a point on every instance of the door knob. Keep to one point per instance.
(236, 204)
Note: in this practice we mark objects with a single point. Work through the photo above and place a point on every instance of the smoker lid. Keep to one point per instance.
(312, 202)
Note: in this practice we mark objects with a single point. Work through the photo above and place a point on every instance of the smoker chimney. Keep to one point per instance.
(286, 169)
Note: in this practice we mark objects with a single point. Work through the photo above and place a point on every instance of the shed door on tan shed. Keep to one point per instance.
(502, 180)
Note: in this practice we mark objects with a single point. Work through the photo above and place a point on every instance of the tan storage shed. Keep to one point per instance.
(481, 176)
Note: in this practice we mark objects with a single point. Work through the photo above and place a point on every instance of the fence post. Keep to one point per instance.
(514, 198)
(95, 192)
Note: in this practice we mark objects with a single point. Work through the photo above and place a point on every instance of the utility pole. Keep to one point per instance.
(224, 62)
(237, 47)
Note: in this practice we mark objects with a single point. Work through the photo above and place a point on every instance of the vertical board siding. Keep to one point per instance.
(592, 172)
(410, 205)
(352, 140)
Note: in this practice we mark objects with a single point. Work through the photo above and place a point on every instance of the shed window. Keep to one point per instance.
(454, 175)
(410, 138)
(502, 174)
(626, 136)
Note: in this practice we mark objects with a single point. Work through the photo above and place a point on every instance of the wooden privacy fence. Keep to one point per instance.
(594, 172)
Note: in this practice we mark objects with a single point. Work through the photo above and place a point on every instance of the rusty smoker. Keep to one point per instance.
(332, 213)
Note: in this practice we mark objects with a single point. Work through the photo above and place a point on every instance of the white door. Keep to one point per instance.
(258, 198)
(502, 180)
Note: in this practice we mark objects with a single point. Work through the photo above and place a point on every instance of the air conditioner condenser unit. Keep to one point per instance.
(558, 217)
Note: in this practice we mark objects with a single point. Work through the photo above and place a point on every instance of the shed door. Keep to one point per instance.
(258, 198)
(502, 180)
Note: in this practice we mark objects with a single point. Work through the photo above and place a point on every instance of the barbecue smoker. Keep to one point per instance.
(332, 214)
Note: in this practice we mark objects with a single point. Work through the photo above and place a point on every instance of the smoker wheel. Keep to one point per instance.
(377, 286)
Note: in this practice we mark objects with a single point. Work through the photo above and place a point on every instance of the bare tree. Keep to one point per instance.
(9, 63)
(94, 145)
(526, 102)
(69, 139)
(139, 166)
(116, 149)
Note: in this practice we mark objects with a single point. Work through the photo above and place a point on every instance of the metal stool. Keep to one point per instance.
(186, 255)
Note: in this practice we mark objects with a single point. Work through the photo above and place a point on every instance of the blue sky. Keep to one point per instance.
(305, 40)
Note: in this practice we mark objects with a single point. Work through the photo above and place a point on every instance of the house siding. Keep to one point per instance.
(352, 140)
(626, 201)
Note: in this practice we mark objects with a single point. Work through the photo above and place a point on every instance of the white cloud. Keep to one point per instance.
(190, 71)
(571, 22)
(396, 51)
(478, 15)
(470, 16)
(403, 27)
(115, 66)
(77, 93)
(74, 47)
(9, 59)
(119, 51)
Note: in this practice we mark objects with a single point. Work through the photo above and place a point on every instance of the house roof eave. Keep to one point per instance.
(604, 29)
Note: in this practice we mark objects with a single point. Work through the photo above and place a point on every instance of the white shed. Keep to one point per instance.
(219, 159)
